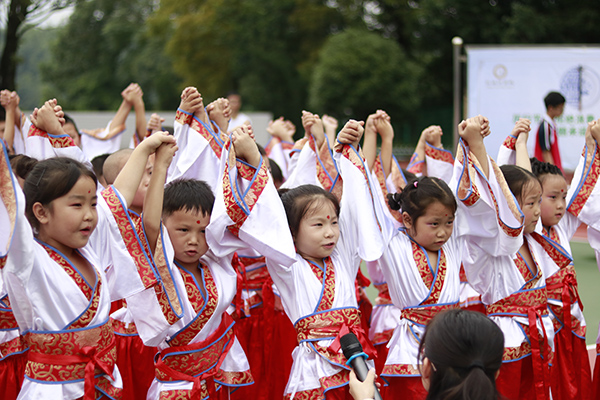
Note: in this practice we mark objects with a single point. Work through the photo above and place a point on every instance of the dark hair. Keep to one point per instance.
(275, 171)
(50, 179)
(188, 195)
(98, 163)
(409, 176)
(22, 164)
(69, 120)
(261, 150)
(465, 349)
(554, 99)
(517, 179)
(540, 169)
(299, 200)
(419, 194)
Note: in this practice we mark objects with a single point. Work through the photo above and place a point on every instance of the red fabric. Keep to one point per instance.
(382, 352)
(511, 373)
(341, 393)
(404, 387)
(12, 373)
(571, 375)
(136, 365)
(596, 382)
(270, 377)
(479, 307)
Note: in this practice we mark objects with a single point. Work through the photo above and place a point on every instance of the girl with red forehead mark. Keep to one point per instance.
(314, 261)
(562, 211)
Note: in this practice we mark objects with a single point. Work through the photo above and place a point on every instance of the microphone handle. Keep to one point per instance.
(361, 370)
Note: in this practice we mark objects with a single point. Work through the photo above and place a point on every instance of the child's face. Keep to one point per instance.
(318, 232)
(554, 203)
(138, 199)
(71, 131)
(68, 221)
(187, 233)
(530, 203)
(433, 228)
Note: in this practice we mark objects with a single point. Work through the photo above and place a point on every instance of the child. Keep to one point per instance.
(316, 281)
(546, 139)
(503, 261)
(206, 286)
(571, 373)
(461, 354)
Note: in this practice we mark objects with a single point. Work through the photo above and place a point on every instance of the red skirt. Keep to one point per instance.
(571, 375)
(136, 365)
(404, 387)
(12, 373)
(596, 382)
(268, 342)
(516, 379)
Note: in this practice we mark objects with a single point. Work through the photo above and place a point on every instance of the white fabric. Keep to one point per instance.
(195, 159)
(299, 288)
(489, 254)
(96, 146)
(44, 297)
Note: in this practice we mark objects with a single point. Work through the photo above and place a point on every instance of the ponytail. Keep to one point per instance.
(465, 350)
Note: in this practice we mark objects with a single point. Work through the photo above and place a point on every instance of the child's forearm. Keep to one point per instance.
(153, 204)
(386, 155)
(140, 119)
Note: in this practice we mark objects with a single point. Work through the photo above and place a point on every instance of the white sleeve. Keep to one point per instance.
(507, 154)
(439, 162)
(583, 198)
(199, 151)
(248, 208)
(96, 143)
(360, 227)
(42, 145)
(488, 211)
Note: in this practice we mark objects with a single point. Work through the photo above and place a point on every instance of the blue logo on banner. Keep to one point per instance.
(581, 87)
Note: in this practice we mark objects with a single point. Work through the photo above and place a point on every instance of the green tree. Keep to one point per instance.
(360, 71)
(264, 49)
(17, 16)
(104, 47)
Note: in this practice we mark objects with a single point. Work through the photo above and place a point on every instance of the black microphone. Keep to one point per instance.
(353, 351)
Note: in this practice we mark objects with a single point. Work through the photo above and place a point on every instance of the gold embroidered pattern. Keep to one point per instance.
(8, 196)
(381, 179)
(510, 142)
(128, 233)
(592, 166)
(183, 118)
(400, 369)
(212, 141)
(58, 142)
(185, 336)
(234, 210)
(438, 154)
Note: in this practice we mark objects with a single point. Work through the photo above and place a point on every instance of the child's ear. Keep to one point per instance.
(41, 213)
(426, 373)
(406, 220)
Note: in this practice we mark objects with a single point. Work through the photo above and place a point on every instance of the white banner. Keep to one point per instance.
(506, 83)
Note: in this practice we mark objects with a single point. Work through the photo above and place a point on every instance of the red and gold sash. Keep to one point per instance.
(591, 172)
(563, 286)
(72, 355)
(204, 310)
(201, 361)
(8, 322)
(215, 141)
(531, 304)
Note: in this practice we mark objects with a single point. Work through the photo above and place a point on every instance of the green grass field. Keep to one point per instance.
(588, 277)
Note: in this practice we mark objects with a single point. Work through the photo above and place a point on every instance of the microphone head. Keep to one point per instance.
(350, 345)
